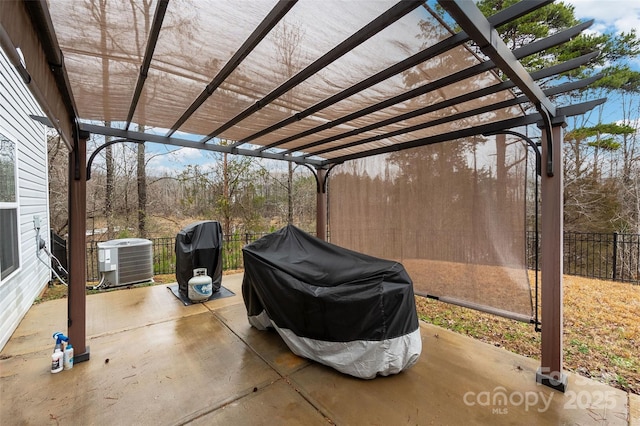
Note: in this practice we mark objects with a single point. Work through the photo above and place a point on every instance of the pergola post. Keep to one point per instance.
(321, 204)
(551, 258)
(76, 302)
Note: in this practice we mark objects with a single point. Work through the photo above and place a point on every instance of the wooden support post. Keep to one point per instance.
(321, 205)
(76, 302)
(551, 256)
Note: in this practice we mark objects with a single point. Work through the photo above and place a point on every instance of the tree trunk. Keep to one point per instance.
(142, 192)
(290, 195)
(226, 211)
(141, 172)
(109, 189)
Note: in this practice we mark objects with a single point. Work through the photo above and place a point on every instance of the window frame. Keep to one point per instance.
(14, 206)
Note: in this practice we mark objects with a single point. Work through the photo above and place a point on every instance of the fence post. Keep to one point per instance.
(615, 255)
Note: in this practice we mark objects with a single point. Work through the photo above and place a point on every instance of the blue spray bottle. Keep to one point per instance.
(58, 352)
(59, 338)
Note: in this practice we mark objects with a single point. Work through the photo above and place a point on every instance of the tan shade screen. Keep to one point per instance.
(452, 213)
(104, 46)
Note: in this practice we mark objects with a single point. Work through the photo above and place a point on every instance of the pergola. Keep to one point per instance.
(315, 83)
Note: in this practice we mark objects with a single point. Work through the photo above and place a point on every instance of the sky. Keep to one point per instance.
(611, 16)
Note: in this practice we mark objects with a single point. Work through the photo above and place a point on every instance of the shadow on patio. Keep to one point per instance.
(155, 361)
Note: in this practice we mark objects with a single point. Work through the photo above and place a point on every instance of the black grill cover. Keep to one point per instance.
(199, 245)
(325, 292)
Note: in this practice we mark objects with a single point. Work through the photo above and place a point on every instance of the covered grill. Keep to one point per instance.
(344, 309)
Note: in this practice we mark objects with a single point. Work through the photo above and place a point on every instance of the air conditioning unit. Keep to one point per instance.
(125, 261)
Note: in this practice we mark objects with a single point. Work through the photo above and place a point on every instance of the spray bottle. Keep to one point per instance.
(59, 338)
(57, 358)
(68, 357)
(56, 361)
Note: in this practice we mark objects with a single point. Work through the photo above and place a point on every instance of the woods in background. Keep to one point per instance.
(243, 194)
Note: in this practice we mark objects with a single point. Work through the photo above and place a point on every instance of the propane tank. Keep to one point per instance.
(200, 286)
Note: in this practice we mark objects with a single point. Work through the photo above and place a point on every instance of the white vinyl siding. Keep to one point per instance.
(22, 286)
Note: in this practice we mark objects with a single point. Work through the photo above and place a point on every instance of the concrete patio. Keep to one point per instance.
(156, 361)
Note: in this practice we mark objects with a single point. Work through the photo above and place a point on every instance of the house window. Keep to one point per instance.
(9, 259)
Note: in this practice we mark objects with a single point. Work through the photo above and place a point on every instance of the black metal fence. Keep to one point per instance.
(605, 256)
(610, 256)
(164, 255)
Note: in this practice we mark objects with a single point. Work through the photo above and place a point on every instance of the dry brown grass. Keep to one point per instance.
(601, 330)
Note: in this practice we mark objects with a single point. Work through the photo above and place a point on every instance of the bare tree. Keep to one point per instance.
(58, 188)
(287, 55)
(99, 12)
(145, 8)
(236, 200)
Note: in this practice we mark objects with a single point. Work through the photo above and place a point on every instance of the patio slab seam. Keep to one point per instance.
(285, 377)
(235, 398)
(258, 354)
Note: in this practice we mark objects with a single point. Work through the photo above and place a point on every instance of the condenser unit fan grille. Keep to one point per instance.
(125, 261)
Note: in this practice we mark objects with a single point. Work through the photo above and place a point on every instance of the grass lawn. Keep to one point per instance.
(601, 330)
(601, 327)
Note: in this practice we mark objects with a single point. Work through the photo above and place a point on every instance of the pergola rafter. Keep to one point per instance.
(313, 114)
(374, 27)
